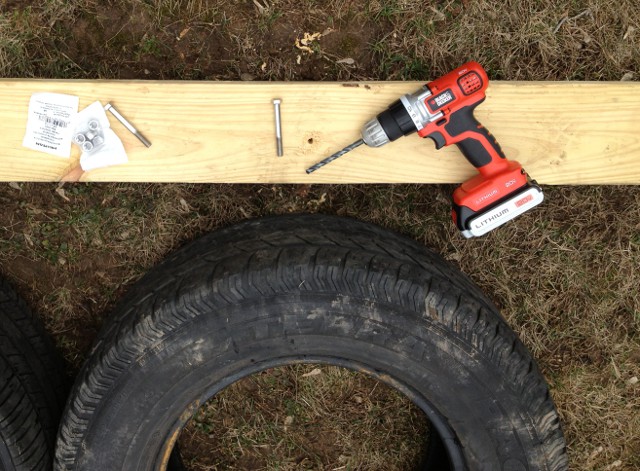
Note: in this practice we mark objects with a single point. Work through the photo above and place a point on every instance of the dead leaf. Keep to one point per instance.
(346, 60)
(313, 372)
(456, 256)
(288, 420)
(15, 186)
(262, 9)
(62, 194)
(358, 399)
(27, 237)
(263, 67)
(183, 33)
(307, 39)
(595, 453)
(306, 49)
(627, 77)
(303, 191)
(298, 59)
(628, 33)
(246, 77)
(184, 205)
(439, 15)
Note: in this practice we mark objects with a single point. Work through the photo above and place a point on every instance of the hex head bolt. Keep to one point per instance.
(109, 107)
(276, 107)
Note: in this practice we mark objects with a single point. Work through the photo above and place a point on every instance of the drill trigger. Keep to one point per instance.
(438, 139)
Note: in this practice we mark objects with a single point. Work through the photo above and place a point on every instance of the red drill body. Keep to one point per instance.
(443, 111)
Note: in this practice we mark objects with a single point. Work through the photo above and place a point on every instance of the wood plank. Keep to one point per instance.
(561, 132)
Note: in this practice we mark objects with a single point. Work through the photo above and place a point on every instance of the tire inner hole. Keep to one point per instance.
(306, 415)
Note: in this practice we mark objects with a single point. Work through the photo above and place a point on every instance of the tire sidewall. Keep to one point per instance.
(159, 392)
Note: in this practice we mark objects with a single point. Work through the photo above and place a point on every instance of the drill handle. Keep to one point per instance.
(475, 141)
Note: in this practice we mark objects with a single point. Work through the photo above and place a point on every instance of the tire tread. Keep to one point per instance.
(33, 385)
(258, 247)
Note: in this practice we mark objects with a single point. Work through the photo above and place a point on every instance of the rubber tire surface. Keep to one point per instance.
(303, 288)
(32, 387)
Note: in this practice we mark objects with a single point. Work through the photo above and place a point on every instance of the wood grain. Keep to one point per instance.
(561, 132)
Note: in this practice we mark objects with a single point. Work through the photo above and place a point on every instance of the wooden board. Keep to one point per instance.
(561, 132)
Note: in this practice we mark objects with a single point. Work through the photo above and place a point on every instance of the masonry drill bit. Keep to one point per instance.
(333, 157)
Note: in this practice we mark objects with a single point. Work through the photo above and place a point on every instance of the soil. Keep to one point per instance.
(244, 48)
(565, 276)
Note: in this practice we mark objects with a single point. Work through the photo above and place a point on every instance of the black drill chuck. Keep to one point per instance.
(396, 121)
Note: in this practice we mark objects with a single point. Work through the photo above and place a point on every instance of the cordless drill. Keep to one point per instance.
(443, 111)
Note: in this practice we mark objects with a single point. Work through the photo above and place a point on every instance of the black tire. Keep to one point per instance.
(308, 289)
(32, 388)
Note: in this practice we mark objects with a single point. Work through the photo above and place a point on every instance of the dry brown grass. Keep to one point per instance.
(565, 276)
(306, 417)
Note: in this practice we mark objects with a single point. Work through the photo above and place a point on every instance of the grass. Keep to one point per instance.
(306, 416)
(565, 276)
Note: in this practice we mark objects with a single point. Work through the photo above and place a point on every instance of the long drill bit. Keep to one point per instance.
(333, 157)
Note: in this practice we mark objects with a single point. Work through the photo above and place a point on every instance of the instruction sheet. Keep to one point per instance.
(50, 123)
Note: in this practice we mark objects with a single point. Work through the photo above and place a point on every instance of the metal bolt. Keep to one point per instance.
(97, 141)
(87, 146)
(79, 138)
(90, 135)
(109, 107)
(93, 125)
(276, 105)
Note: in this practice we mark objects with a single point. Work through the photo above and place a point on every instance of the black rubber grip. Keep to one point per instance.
(396, 122)
(474, 150)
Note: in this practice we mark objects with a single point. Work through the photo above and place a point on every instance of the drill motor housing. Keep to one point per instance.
(443, 111)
